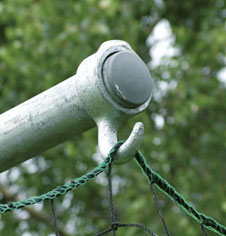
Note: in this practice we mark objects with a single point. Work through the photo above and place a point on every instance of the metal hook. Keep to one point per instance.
(107, 138)
(113, 85)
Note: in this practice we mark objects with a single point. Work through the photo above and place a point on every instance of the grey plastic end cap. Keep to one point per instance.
(127, 79)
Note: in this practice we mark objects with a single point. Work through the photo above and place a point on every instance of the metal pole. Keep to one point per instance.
(41, 123)
(110, 86)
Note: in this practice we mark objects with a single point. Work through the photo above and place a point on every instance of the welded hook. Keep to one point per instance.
(113, 85)
(107, 138)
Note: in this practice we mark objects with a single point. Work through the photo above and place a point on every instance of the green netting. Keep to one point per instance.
(152, 176)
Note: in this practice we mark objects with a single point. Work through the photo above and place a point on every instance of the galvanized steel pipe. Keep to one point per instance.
(41, 123)
(104, 91)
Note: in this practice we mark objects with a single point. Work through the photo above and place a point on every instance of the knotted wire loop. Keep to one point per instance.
(114, 224)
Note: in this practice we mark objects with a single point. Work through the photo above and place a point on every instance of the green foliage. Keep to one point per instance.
(43, 42)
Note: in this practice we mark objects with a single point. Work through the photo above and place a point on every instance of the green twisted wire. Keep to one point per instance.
(172, 193)
(63, 189)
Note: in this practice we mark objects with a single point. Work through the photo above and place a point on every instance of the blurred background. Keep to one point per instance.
(184, 44)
